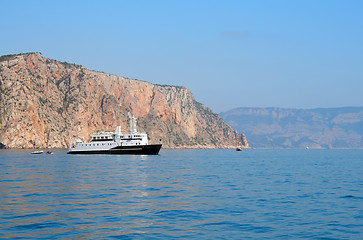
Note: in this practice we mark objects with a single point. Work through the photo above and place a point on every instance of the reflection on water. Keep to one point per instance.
(182, 194)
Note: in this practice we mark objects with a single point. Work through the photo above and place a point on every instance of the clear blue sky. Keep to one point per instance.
(296, 54)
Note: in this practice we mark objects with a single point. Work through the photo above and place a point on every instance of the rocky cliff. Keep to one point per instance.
(45, 103)
(299, 128)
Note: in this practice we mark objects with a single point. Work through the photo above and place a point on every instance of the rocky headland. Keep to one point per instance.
(45, 103)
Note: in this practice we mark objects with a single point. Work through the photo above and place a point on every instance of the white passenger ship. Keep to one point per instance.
(117, 143)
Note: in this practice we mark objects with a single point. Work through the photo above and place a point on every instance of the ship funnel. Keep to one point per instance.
(118, 130)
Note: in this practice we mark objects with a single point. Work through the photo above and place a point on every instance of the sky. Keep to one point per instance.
(271, 53)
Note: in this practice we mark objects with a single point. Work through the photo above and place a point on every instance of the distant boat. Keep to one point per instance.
(49, 152)
(307, 148)
(37, 152)
(239, 148)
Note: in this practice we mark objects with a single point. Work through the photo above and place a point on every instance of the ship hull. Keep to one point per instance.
(152, 149)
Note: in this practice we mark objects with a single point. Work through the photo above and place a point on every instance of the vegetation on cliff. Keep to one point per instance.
(47, 103)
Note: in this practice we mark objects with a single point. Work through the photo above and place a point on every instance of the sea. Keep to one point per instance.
(183, 194)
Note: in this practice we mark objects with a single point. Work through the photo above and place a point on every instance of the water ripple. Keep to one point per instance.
(34, 226)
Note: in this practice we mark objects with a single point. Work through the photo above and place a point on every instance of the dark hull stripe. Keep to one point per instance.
(132, 150)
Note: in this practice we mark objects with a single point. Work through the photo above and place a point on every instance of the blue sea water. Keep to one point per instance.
(186, 194)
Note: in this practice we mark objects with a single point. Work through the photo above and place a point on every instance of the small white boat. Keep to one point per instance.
(37, 152)
(239, 148)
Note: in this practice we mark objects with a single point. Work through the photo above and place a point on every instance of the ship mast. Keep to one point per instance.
(132, 124)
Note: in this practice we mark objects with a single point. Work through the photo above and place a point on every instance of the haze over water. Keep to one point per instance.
(193, 194)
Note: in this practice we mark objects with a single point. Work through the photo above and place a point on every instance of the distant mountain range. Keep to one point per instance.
(299, 128)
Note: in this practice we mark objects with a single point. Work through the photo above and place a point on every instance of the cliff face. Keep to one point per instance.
(47, 103)
(299, 128)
